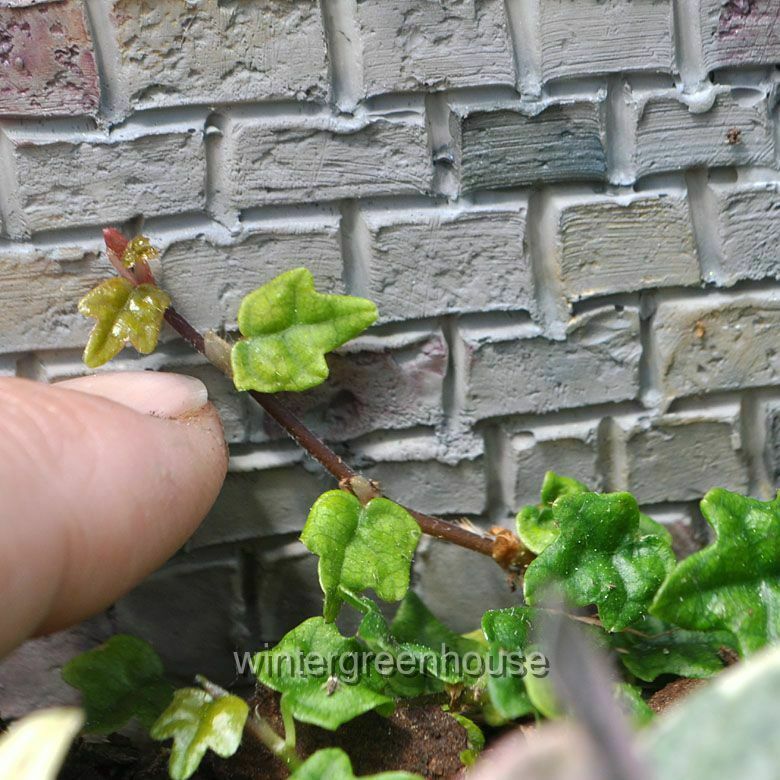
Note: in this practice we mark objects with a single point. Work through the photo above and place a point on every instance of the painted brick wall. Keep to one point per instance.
(567, 211)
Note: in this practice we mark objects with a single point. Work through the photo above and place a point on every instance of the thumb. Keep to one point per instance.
(101, 480)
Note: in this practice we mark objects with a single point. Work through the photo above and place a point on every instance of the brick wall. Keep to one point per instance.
(567, 211)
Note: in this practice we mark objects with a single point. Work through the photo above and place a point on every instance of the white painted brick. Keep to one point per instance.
(320, 158)
(39, 295)
(607, 245)
(515, 373)
(390, 383)
(207, 279)
(740, 32)
(671, 137)
(506, 148)
(680, 457)
(173, 53)
(568, 449)
(95, 181)
(410, 45)
(588, 37)
(165, 607)
(717, 342)
(749, 228)
(428, 262)
(257, 504)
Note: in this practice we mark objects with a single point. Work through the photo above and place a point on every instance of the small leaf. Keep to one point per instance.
(538, 528)
(651, 648)
(733, 584)
(475, 737)
(119, 680)
(124, 313)
(288, 329)
(320, 675)
(506, 631)
(35, 747)
(334, 764)
(360, 547)
(197, 722)
(629, 697)
(601, 557)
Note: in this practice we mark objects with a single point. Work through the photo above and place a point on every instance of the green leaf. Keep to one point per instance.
(727, 729)
(360, 547)
(542, 695)
(320, 675)
(601, 557)
(119, 680)
(288, 329)
(733, 584)
(197, 722)
(475, 737)
(538, 528)
(124, 313)
(334, 764)
(506, 631)
(651, 648)
(629, 697)
(35, 747)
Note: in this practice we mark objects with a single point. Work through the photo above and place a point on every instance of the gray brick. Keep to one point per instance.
(608, 245)
(772, 443)
(375, 384)
(587, 37)
(408, 45)
(571, 450)
(671, 137)
(522, 371)
(95, 181)
(208, 279)
(430, 262)
(680, 457)
(38, 298)
(173, 53)
(749, 230)
(506, 148)
(320, 158)
(717, 342)
(193, 616)
(736, 33)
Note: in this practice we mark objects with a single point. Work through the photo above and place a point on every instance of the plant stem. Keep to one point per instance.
(309, 441)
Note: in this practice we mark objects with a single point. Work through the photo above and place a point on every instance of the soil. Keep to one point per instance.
(673, 692)
(420, 739)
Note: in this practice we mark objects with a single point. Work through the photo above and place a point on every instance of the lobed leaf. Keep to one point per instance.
(334, 764)
(601, 557)
(288, 328)
(733, 584)
(360, 547)
(198, 722)
(538, 528)
(320, 675)
(651, 648)
(120, 680)
(125, 314)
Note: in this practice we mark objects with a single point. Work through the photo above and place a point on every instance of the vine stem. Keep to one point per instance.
(309, 441)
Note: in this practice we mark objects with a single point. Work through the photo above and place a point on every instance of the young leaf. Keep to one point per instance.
(733, 584)
(476, 739)
(360, 546)
(538, 528)
(334, 764)
(506, 631)
(119, 680)
(320, 675)
(196, 722)
(629, 697)
(602, 558)
(288, 329)
(651, 648)
(124, 313)
(34, 748)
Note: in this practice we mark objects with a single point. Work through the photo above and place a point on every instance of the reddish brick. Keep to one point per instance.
(46, 60)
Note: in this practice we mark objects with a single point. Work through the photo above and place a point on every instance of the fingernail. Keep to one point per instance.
(149, 392)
